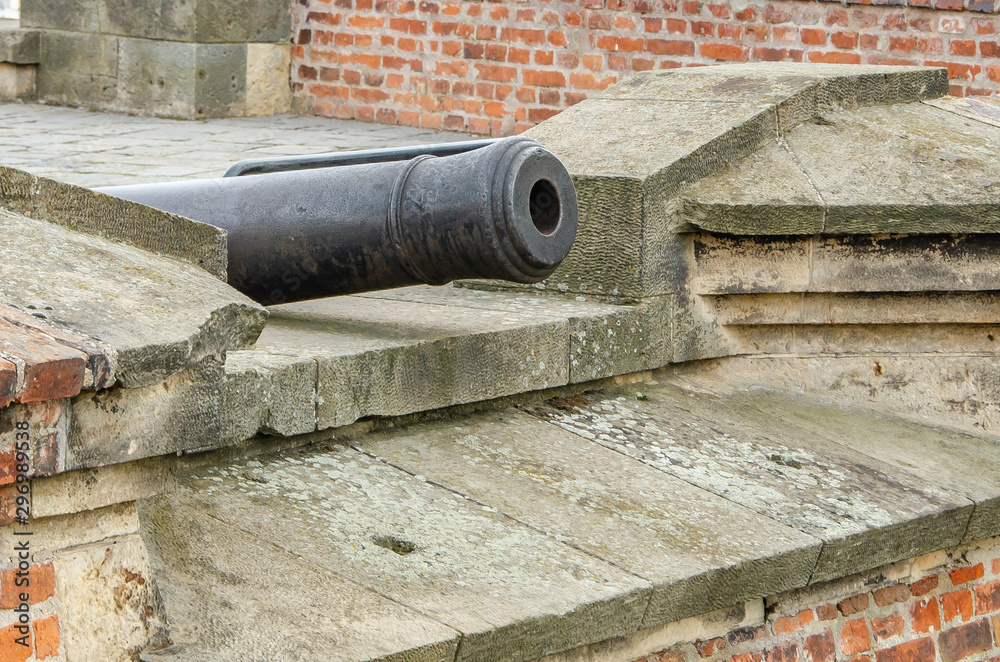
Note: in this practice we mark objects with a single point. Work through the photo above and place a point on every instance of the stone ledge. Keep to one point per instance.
(674, 484)
(20, 46)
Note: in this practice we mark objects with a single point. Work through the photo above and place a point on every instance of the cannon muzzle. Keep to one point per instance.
(505, 211)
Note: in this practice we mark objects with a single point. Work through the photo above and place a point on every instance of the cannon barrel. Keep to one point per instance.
(505, 211)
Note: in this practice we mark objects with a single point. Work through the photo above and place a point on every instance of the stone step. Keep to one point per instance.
(523, 532)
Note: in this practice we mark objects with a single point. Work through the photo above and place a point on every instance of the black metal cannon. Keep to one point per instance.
(300, 229)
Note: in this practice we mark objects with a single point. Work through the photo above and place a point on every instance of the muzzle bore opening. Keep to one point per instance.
(543, 203)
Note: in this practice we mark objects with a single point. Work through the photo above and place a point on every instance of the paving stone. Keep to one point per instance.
(159, 315)
(867, 512)
(611, 506)
(212, 576)
(513, 593)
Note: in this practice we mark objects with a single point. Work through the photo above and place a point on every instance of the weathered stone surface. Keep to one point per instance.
(110, 601)
(78, 67)
(268, 88)
(866, 511)
(20, 46)
(745, 265)
(17, 81)
(47, 433)
(765, 194)
(182, 412)
(51, 535)
(964, 464)
(212, 576)
(513, 593)
(90, 489)
(606, 339)
(261, 21)
(856, 308)
(907, 168)
(268, 392)
(386, 358)
(75, 15)
(93, 213)
(616, 508)
(159, 315)
(182, 79)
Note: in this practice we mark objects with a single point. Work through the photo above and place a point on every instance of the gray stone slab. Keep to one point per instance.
(379, 357)
(749, 265)
(20, 46)
(112, 218)
(75, 15)
(227, 597)
(960, 463)
(867, 512)
(268, 392)
(513, 593)
(606, 339)
(765, 194)
(183, 412)
(902, 169)
(690, 544)
(158, 314)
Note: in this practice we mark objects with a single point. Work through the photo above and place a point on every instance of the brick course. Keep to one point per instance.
(929, 616)
(500, 67)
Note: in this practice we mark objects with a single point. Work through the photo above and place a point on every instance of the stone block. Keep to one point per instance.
(179, 79)
(268, 71)
(72, 15)
(78, 68)
(242, 22)
(268, 392)
(749, 265)
(17, 81)
(183, 412)
(20, 46)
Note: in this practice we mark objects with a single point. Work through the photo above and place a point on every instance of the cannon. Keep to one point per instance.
(310, 227)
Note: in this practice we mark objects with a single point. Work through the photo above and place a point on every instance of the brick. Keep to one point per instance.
(835, 58)
(747, 657)
(891, 594)
(724, 52)
(996, 567)
(790, 624)
(924, 615)
(820, 647)
(749, 633)
(957, 604)
(787, 652)
(963, 641)
(8, 382)
(10, 650)
(988, 597)
(813, 36)
(971, 573)
(967, 48)
(853, 604)
(854, 637)
(670, 46)
(766, 54)
(924, 586)
(51, 370)
(710, 647)
(844, 39)
(544, 78)
(827, 612)
(46, 631)
(41, 585)
(918, 650)
(887, 627)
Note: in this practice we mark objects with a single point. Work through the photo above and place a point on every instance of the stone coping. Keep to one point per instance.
(523, 532)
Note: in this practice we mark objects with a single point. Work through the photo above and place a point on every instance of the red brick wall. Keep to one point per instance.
(499, 67)
(949, 613)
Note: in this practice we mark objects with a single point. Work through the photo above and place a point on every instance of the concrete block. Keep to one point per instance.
(268, 70)
(78, 68)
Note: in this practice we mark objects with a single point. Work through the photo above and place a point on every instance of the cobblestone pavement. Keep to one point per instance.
(94, 149)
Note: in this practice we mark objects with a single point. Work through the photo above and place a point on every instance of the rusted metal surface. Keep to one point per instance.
(506, 211)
